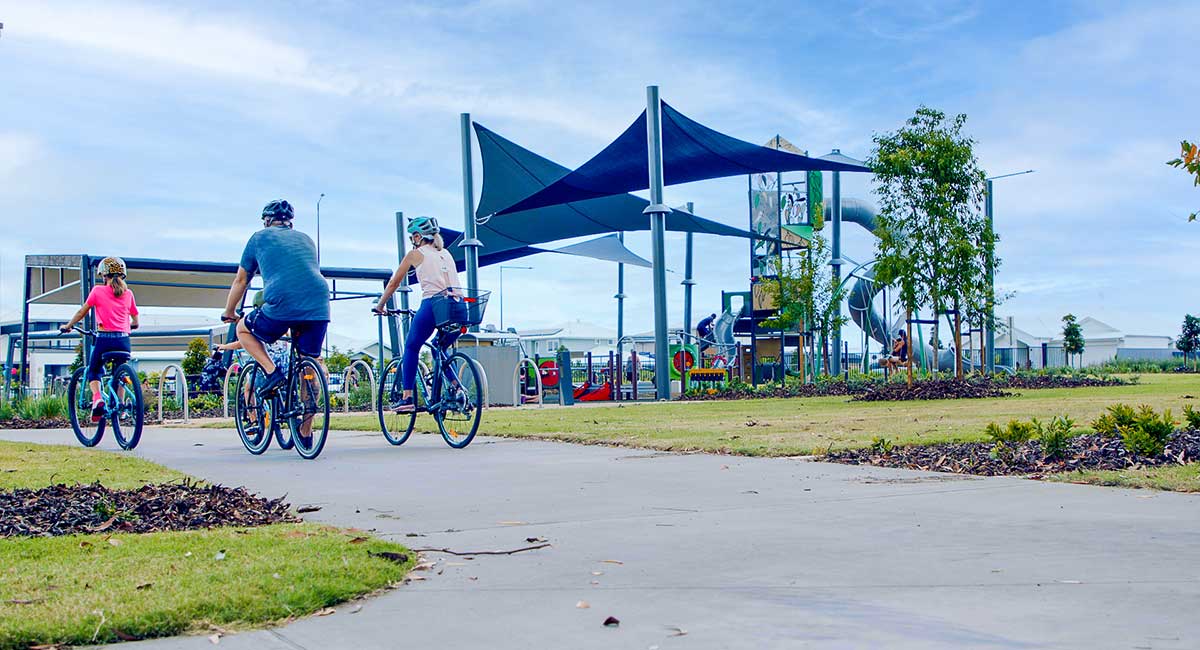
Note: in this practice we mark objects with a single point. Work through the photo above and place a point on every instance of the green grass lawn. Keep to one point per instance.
(775, 427)
(29, 465)
(1175, 478)
(82, 589)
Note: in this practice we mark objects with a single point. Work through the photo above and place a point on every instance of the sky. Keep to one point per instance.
(160, 130)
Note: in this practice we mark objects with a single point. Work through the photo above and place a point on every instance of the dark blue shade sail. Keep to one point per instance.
(691, 152)
(511, 172)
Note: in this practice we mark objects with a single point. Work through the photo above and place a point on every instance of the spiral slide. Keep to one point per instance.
(861, 295)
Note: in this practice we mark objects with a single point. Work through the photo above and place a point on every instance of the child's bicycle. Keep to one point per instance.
(121, 393)
(302, 402)
(453, 392)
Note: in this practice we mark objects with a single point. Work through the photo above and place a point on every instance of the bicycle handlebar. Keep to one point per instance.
(81, 330)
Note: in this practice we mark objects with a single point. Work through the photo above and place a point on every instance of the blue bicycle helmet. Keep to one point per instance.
(278, 210)
(423, 226)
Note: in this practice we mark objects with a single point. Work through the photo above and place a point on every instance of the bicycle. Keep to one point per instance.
(121, 394)
(456, 383)
(304, 404)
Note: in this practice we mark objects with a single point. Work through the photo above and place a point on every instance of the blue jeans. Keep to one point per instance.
(420, 329)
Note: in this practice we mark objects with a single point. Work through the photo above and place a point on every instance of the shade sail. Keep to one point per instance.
(691, 152)
(608, 248)
(511, 172)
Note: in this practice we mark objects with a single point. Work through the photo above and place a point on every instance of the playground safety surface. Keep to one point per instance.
(704, 551)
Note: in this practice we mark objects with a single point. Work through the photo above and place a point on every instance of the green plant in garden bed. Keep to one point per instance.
(1192, 417)
(205, 402)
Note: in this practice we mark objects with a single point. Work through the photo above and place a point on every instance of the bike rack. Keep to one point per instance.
(181, 378)
(224, 390)
(346, 383)
(537, 375)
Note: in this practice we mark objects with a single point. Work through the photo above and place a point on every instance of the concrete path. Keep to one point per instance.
(737, 552)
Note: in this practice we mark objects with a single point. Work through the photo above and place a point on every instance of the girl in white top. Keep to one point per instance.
(438, 276)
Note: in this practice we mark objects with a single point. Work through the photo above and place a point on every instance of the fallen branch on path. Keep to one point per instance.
(446, 550)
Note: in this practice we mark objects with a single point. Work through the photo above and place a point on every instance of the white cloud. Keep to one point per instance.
(18, 150)
(218, 45)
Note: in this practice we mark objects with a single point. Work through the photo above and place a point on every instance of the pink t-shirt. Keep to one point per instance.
(112, 312)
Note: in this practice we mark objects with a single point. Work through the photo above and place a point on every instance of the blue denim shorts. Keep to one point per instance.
(307, 335)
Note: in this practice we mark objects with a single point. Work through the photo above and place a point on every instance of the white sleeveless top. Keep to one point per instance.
(436, 272)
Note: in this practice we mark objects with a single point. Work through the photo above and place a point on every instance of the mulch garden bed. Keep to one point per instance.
(1091, 451)
(930, 389)
(81, 509)
(1056, 381)
(22, 423)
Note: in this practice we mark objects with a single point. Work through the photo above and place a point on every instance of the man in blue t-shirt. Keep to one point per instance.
(296, 297)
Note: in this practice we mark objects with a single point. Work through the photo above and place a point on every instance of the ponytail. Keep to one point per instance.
(437, 242)
(118, 285)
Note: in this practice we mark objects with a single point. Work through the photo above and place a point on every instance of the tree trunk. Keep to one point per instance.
(958, 366)
(911, 358)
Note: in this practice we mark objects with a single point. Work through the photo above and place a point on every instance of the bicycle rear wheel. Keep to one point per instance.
(130, 414)
(309, 419)
(254, 416)
(460, 407)
(397, 427)
(79, 410)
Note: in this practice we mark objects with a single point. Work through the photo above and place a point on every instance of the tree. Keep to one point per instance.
(1189, 161)
(934, 240)
(1072, 338)
(337, 361)
(1189, 337)
(194, 358)
(805, 293)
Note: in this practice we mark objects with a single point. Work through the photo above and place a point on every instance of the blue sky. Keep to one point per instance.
(159, 130)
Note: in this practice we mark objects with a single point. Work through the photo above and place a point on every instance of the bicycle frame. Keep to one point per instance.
(440, 372)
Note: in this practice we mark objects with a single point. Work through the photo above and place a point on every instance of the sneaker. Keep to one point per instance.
(97, 410)
(405, 405)
(270, 383)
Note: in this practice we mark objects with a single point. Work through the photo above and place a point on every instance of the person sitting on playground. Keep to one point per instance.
(438, 277)
(116, 315)
(295, 296)
(899, 356)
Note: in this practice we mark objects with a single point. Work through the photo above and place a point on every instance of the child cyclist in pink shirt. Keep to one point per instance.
(116, 315)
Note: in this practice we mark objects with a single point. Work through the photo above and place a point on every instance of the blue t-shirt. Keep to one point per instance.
(293, 288)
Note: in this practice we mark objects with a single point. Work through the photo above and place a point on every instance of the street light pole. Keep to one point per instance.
(319, 228)
(502, 267)
(990, 325)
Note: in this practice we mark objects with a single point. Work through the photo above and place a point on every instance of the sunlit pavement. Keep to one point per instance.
(704, 551)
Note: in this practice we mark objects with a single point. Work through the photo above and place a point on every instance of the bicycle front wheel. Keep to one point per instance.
(309, 404)
(130, 414)
(254, 416)
(79, 410)
(460, 407)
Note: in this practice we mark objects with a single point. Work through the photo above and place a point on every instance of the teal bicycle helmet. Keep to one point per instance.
(423, 226)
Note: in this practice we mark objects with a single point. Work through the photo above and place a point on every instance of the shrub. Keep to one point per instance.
(881, 446)
(1119, 416)
(205, 402)
(1055, 438)
(1141, 443)
(360, 395)
(6, 410)
(1192, 417)
(1015, 433)
(43, 407)
(1149, 432)
(194, 358)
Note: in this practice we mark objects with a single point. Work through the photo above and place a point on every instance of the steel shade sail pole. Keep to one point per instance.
(405, 290)
(990, 325)
(688, 281)
(470, 242)
(658, 227)
(835, 364)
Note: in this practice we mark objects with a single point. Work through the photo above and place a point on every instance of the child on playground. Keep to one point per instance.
(438, 277)
(899, 354)
(116, 315)
(295, 296)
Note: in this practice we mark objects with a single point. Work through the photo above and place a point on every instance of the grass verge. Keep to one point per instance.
(30, 465)
(81, 589)
(781, 427)
(1173, 478)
